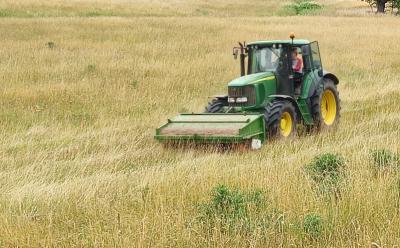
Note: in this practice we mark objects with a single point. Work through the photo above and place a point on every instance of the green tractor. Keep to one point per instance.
(268, 101)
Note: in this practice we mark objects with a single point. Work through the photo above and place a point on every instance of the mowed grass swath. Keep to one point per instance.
(81, 98)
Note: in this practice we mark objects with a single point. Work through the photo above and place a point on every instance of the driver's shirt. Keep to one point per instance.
(297, 65)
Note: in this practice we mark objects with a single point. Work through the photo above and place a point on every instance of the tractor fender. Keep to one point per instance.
(331, 76)
(316, 87)
(290, 99)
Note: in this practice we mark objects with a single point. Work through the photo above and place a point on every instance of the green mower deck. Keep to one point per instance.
(213, 128)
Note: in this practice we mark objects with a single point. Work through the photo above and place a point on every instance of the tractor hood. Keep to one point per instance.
(252, 78)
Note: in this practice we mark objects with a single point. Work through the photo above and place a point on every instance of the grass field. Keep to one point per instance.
(85, 83)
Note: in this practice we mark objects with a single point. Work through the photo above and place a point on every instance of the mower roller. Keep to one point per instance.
(267, 102)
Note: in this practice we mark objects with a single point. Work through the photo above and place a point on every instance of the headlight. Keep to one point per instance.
(241, 99)
(231, 99)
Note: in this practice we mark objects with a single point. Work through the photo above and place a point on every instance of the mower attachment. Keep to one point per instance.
(214, 128)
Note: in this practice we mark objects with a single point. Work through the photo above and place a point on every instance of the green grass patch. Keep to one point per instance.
(16, 13)
(384, 159)
(234, 211)
(35, 11)
(313, 225)
(327, 173)
(90, 68)
(302, 7)
(310, 227)
(97, 13)
(202, 12)
(133, 84)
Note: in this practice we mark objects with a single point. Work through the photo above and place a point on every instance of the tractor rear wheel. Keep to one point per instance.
(216, 105)
(325, 106)
(280, 119)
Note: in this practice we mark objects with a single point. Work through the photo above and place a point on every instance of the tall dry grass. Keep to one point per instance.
(80, 99)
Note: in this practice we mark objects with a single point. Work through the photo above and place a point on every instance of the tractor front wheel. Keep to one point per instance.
(216, 105)
(280, 119)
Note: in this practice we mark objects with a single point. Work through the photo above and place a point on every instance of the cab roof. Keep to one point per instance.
(298, 42)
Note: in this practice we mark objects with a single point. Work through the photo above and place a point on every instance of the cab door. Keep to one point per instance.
(313, 71)
(284, 73)
(316, 58)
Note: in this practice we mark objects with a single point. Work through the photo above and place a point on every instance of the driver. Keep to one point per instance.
(297, 63)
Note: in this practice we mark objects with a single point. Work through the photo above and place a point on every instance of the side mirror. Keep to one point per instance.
(235, 53)
(320, 73)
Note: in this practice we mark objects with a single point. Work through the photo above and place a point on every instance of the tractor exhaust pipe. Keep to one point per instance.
(242, 47)
(242, 57)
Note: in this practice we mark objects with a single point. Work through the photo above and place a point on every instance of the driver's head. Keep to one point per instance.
(294, 53)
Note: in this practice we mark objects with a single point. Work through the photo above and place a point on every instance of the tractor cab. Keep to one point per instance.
(277, 57)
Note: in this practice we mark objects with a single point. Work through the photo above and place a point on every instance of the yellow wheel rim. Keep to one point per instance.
(328, 107)
(286, 124)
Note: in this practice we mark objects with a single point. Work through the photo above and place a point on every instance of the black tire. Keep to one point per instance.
(274, 113)
(316, 103)
(216, 105)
